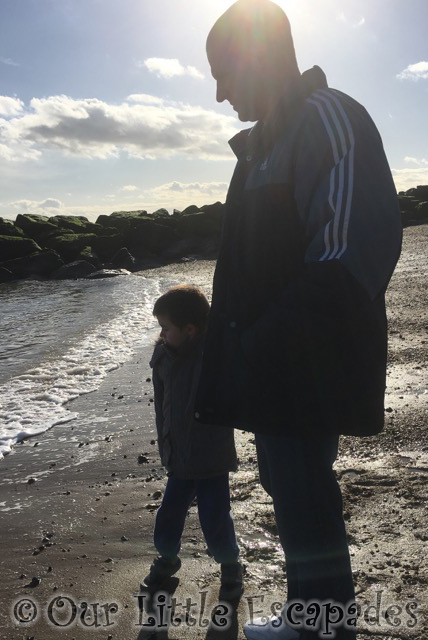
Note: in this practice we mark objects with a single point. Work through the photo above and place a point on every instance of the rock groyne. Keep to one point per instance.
(61, 247)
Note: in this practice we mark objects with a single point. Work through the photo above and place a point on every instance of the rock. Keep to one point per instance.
(422, 211)
(73, 270)
(121, 220)
(421, 192)
(191, 209)
(407, 203)
(89, 255)
(69, 244)
(106, 246)
(78, 224)
(198, 224)
(40, 264)
(7, 228)
(160, 213)
(123, 259)
(6, 275)
(107, 273)
(414, 205)
(150, 237)
(12, 247)
(34, 582)
(34, 225)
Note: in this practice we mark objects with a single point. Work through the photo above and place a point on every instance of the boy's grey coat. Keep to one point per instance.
(187, 449)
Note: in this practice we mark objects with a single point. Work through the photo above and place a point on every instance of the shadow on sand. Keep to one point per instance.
(159, 614)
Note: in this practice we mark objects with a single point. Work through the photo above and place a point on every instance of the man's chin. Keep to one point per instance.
(246, 117)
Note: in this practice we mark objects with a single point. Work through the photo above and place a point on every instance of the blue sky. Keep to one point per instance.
(108, 105)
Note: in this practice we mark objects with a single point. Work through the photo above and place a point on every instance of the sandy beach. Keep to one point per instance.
(77, 506)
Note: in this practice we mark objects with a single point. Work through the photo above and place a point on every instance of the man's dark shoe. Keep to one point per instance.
(160, 571)
(231, 581)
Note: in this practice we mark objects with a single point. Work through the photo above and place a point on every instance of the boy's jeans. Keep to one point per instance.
(213, 499)
(297, 472)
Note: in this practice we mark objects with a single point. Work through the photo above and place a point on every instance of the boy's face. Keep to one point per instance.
(172, 335)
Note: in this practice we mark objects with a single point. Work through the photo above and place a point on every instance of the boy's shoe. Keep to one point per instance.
(231, 581)
(160, 571)
(272, 628)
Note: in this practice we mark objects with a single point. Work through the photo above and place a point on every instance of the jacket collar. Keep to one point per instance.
(187, 348)
(259, 138)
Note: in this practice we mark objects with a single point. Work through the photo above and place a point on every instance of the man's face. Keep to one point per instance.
(238, 81)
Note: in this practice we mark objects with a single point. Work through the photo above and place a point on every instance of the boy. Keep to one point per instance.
(198, 458)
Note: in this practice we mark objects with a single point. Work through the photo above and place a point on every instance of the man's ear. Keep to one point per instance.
(191, 330)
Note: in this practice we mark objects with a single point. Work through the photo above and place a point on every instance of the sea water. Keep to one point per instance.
(59, 339)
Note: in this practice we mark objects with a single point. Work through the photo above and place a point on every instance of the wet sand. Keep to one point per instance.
(77, 505)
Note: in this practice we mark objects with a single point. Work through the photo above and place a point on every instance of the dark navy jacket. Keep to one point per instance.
(297, 338)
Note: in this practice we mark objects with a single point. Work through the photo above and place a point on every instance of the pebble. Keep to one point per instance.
(34, 582)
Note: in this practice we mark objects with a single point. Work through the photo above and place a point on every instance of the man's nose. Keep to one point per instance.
(221, 95)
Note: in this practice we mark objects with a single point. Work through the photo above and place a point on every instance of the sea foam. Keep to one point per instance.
(34, 400)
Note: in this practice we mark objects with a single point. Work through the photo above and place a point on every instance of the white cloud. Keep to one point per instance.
(129, 187)
(6, 152)
(420, 162)
(96, 129)
(43, 207)
(408, 178)
(51, 203)
(170, 67)
(415, 72)
(355, 25)
(9, 62)
(181, 194)
(10, 106)
(13, 150)
(144, 98)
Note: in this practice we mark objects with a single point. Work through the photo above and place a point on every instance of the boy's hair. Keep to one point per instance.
(183, 304)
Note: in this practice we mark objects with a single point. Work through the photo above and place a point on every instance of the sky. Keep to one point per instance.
(109, 105)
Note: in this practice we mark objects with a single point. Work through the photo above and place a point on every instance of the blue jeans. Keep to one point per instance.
(297, 473)
(213, 499)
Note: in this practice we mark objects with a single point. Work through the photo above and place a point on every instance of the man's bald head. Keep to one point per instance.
(253, 24)
(253, 41)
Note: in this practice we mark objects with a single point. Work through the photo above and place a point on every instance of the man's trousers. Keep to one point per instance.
(297, 472)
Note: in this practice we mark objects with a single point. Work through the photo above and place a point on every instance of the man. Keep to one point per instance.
(296, 343)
